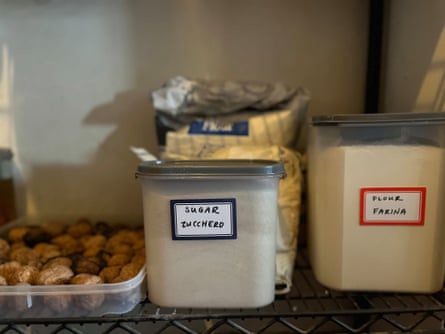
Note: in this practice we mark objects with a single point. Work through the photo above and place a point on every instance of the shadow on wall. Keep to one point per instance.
(132, 47)
(431, 95)
(65, 166)
(106, 187)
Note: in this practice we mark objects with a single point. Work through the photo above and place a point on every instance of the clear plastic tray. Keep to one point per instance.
(23, 301)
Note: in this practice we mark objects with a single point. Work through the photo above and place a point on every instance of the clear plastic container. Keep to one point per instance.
(210, 231)
(376, 201)
(68, 300)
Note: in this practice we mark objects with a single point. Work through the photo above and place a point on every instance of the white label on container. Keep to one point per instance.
(203, 219)
(392, 206)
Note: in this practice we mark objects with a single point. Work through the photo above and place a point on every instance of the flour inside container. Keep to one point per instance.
(377, 217)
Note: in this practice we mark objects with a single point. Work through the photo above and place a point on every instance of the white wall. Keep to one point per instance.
(80, 73)
(415, 58)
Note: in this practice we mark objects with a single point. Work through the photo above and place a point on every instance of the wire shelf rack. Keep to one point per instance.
(308, 308)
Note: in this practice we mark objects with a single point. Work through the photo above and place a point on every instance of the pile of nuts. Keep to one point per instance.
(79, 253)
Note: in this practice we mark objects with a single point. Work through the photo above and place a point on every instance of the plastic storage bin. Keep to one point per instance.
(68, 300)
(376, 201)
(210, 231)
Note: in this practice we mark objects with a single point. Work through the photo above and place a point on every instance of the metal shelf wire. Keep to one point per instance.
(308, 308)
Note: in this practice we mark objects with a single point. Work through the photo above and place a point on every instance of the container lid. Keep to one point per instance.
(5, 154)
(389, 119)
(230, 167)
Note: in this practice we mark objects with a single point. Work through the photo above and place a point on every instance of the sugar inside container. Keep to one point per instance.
(210, 230)
(377, 201)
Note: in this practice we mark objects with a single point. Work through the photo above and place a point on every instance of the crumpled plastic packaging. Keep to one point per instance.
(183, 99)
(191, 114)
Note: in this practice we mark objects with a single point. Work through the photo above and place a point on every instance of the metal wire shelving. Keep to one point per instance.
(308, 308)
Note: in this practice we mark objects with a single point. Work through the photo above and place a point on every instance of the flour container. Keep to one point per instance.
(377, 201)
(210, 231)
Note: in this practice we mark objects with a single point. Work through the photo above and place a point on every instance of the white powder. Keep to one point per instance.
(386, 257)
(212, 273)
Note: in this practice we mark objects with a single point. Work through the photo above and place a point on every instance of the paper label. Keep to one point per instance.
(392, 206)
(218, 127)
(203, 219)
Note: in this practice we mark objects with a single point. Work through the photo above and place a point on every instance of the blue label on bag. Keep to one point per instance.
(203, 219)
(213, 127)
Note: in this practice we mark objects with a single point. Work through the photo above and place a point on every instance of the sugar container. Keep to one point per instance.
(376, 201)
(210, 230)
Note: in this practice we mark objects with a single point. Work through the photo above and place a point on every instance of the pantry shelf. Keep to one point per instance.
(308, 308)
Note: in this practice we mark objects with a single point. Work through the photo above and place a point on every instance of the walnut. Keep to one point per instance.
(54, 228)
(139, 260)
(118, 260)
(108, 274)
(85, 265)
(103, 228)
(60, 260)
(56, 274)
(139, 244)
(80, 228)
(4, 248)
(62, 240)
(99, 259)
(47, 251)
(92, 251)
(115, 246)
(93, 241)
(106, 257)
(58, 303)
(68, 244)
(36, 235)
(16, 234)
(8, 269)
(86, 279)
(127, 272)
(24, 274)
(88, 301)
(17, 244)
(25, 256)
(125, 236)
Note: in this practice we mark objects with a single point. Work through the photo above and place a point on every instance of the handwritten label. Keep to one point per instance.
(203, 219)
(392, 206)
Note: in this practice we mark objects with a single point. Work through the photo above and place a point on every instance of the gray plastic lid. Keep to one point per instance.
(5, 154)
(389, 119)
(230, 167)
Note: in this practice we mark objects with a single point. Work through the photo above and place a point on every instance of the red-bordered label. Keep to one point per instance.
(392, 206)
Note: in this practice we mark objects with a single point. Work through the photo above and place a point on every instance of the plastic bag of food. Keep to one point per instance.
(197, 115)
